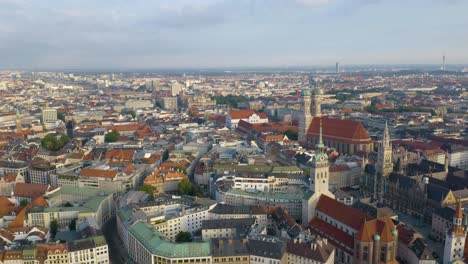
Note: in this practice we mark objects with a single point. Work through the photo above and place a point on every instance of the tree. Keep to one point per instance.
(72, 225)
(165, 155)
(148, 188)
(185, 187)
(23, 202)
(291, 134)
(52, 143)
(129, 112)
(183, 237)
(53, 228)
(112, 136)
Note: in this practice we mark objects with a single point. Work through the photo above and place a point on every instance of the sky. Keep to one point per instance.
(163, 34)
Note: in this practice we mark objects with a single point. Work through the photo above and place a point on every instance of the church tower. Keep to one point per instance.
(319, 173)
(316, 102)
(320, 168)
(384, 165)
(19, 126)
(455, 238)
(305, 118)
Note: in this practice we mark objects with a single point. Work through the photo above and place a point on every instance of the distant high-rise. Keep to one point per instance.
(443, 63)
(337, 68)
(49, 115)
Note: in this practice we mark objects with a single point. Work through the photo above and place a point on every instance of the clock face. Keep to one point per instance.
(458, 240)
(322, 158)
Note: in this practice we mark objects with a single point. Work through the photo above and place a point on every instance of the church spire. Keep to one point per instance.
(386, 136)
(320, 145)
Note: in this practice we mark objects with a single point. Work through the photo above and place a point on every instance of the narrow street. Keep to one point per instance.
(117, 252)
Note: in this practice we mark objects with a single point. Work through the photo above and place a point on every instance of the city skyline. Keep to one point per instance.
(230, 34)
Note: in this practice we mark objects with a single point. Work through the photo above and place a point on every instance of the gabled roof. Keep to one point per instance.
(242, 114)
(382, 227)
(110, 174)
(343, 130)
(345, 214)
(30, 190)
(337, 237)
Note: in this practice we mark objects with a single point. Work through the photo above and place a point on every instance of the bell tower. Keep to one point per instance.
(320, 168)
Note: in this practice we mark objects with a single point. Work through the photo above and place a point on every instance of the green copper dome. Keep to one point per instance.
(305, 92)
(376, 237)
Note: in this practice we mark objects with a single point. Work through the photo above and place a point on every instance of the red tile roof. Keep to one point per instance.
(30, 190)
(341, 130)
(336, 237)
(382, 226)
(98, 173)
(345, 214)
(242, 114)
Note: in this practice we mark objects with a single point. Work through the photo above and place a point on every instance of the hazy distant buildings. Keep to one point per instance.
(170, 103)
(49, 115)
(138, 104)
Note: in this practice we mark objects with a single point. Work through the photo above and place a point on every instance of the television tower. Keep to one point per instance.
(337, 68)
(443, 62)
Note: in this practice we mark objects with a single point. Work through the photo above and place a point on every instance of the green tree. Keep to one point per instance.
(129, 112)
(185, 187)
(291, 134)
(148, 188)
(23, 202)
(53, 228)
(50, 142)
(72, 225)
(183, 237)
(61, 116)
(112, 136)
(165, 155)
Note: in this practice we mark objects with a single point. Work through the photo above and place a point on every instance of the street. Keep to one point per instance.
(424, 230)
(117, 252)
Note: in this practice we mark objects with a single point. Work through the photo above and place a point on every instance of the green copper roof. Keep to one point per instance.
(305, 92)
(150, 238)
(308, 194)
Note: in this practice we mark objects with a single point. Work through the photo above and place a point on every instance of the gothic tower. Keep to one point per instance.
(305, 118)
(316, 102)
(19, 126)
(455, 238)
(384, 165)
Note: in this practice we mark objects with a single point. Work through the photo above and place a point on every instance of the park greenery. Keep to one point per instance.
(148, 188)
(183, 237)
(231, 100)
(112, 136)
(53, 228)
(53, 142)
(185, 187)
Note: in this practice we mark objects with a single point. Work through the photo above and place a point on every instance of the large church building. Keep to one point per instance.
(346, 136)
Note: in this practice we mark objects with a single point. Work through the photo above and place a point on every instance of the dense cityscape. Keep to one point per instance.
(321, 166)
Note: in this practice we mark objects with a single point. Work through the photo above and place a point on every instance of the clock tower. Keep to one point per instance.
(319, 173)
(320, 168)
(455, 238)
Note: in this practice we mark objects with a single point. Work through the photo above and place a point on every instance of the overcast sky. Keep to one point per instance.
(130, 34)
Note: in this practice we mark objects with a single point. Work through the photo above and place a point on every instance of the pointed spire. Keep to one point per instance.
(18, 114)
(320, 145)
(386, 136)
(459, 210)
